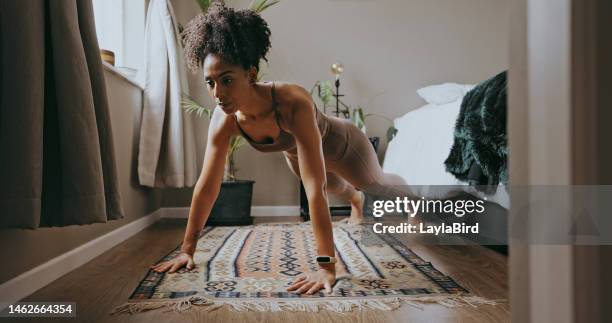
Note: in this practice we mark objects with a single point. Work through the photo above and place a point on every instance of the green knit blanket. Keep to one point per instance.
(479, 152)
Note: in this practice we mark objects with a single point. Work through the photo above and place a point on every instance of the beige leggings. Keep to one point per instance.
(351, 163)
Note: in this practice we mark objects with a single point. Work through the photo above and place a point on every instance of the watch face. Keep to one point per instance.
(323, 259)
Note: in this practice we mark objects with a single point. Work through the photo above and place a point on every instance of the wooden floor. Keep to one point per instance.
(108, 280)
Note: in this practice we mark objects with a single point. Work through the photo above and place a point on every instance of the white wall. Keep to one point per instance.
(389, 48)
(539, 126)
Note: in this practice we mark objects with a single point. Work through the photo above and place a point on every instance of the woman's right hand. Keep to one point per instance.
(181, 260)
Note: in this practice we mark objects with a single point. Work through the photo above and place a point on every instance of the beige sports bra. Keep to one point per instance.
(285, 140)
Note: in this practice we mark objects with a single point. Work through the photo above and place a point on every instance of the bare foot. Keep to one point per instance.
(357, 208)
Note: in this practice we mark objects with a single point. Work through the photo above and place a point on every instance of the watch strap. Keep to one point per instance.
(326, 260)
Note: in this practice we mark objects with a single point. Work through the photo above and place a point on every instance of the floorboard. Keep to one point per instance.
(108, 280)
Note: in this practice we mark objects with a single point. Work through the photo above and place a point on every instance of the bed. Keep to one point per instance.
(422, 144)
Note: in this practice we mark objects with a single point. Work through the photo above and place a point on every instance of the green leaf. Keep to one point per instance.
(235, 143)
(358, 118)
(391, 132)
(204, 4)
(193, 107)
(327, 93)
(261, 5)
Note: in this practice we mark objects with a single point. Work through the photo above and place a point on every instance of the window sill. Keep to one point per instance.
(123, 75)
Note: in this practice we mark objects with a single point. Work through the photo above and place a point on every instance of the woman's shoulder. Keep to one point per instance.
(223, 123)
(291, 98)
(290, 92)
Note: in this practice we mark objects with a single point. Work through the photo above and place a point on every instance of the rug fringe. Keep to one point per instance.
(338, 306)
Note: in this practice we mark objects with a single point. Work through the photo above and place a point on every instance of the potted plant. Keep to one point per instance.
(325, 92)
(233, 205)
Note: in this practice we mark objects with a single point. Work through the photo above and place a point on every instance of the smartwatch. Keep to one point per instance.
(326, 260)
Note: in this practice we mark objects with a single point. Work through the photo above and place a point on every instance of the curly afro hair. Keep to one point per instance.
(240, 37)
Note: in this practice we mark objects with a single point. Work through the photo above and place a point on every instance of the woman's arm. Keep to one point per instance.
(205, 192)
(303, 126)
(208, 185)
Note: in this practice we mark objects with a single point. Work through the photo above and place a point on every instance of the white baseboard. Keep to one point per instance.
(256, 211)
(175, 212)
(40, 276)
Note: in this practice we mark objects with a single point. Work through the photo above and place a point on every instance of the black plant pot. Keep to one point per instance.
(233, 205)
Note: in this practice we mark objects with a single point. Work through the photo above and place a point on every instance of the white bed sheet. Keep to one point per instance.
(418, 152)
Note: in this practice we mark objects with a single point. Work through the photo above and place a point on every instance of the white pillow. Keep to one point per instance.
(443, 93)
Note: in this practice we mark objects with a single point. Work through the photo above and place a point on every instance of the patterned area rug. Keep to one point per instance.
(250, 267)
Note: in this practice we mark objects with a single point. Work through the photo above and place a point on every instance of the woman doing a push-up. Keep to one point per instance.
(329, 154)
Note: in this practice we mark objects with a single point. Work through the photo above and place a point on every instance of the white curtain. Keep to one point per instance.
(167, 150)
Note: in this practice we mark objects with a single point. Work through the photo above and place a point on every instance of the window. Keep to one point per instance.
(120, 28)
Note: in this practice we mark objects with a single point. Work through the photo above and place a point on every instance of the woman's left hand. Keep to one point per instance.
(313, 282)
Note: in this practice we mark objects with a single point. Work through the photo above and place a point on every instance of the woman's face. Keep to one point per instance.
(229, 85)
